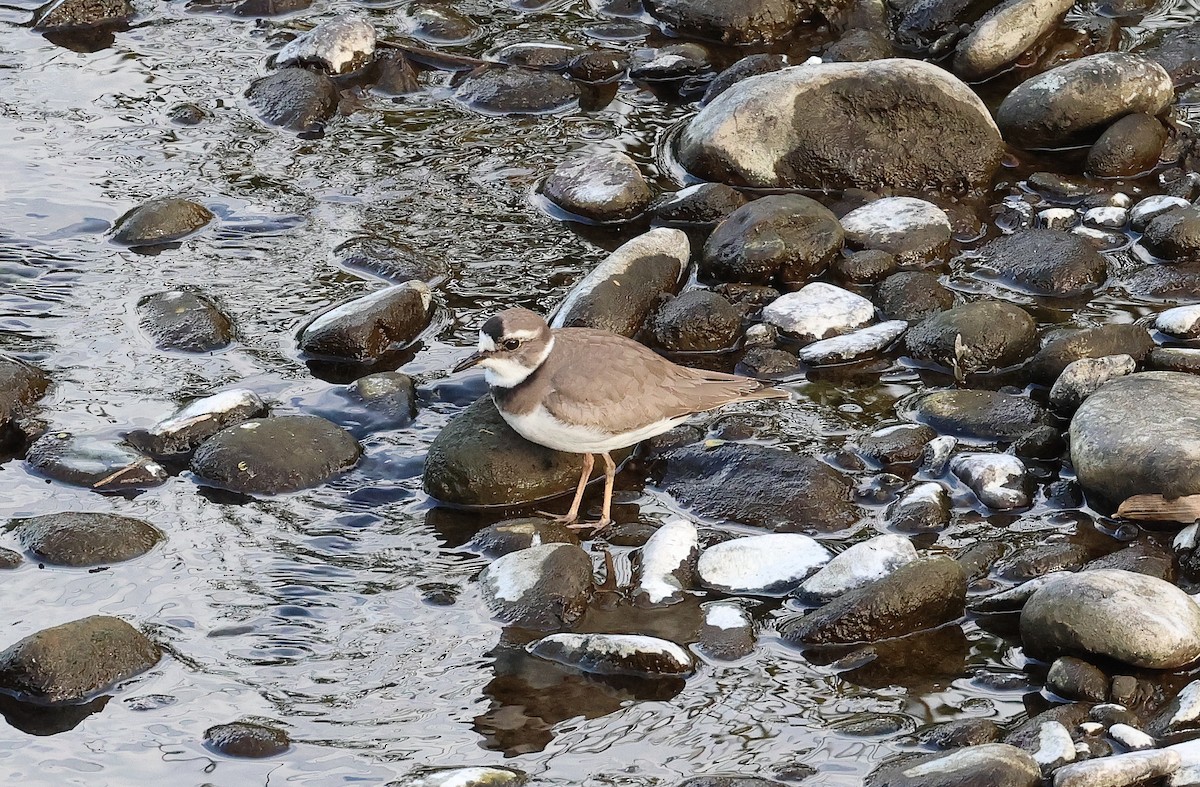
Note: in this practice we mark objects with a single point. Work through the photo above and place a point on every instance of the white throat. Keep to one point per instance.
(507, 373)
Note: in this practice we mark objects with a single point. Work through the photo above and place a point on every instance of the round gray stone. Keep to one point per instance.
(86, 539)
(602, 186)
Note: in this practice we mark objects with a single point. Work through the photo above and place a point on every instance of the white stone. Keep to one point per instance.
(996, 479)
(882, 223)
(669, 548)
(511, 576)
(1055, 747)
(366, 302)
(1188, 774)
(768, 565)
(1131, 738)
(819, 310)
(863, 343)
(1187, 538)
(341, 45)
(937, 454)
(725, 615)
(217, 404)
(1119, 770)
(1182, 322)
(1189, 706)
(857, 566)
(1081, 378)
(1107, 217)
(1146, 209)
(468, 777)
(1058, 218)
(615, 654)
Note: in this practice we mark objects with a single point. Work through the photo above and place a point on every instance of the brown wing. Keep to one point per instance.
(628, 386)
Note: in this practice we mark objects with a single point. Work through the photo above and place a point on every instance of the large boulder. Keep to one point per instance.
(884, 124)
(1045, 262)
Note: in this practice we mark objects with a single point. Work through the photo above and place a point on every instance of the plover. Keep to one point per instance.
(590, 392)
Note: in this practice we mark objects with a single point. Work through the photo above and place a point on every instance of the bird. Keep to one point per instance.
(591, 392)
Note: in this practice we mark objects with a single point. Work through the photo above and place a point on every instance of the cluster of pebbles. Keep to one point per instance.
(946, 191)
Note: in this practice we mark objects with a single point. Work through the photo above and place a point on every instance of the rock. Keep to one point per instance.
(731, 781)
(270, 7)
(923, 25)
(513, 535)
(1045, 262)
(78, 15)
(668, 562)
(1174, 234)
(788, 236)
(755, 21)
(1137, 435)
(767, 565)
(160, 221)
(1178, 52)
(341, 45)
(696, 321)
(440, 24)
(1181, 713)
(1131, 738)
(1182, 322)
(598, 65)
(517, 91)
(1106, 217)
(1003, 34)
(1177, 282)
(751, 65)
(1055, 747)
(1040, 559)
(859, 46)
(985, 765)
(986, 415)
(919, 595)
(85, 539)
(615, 654)
(1075, 679)
(185, 321)
(818, 310)
(294, 98)
(485, 776)
(670, 64)
(76, 660)
(390, 396)
(924, 508)
(1119, 770)
(1143, 557)
(1173, 359)
(765, 362)
(912, 296)
(21, 385)
(854, 346)
(1064, 104)
(1041, 442)
(390, 260)
(1129, 147)
(974, 337)
(998, 480)
(180, 434)
(1133, 618)
(892, 123)
(273, 455)
(778, 490)
(620, 292)
(962, 733)
(1146, 209)
(1083, 377)
(865, 267)
(246, 739)
(1057, 354)
(701, 204)
(9, 559)
(727, 632)
(859, 565)
(394, 75)
(543, 587)
(912, 230)
(364, 328)
(601, 186)
(92, 461)
(901, 443)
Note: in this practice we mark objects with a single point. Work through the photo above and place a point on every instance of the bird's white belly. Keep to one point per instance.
(539, 426)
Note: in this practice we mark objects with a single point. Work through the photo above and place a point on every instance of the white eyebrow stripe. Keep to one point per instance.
(522, 335)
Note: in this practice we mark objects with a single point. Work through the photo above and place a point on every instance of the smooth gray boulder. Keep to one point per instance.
(1004, 33)
(601, 186)
(544, 587)
(86, 539)
(365, 328)
(161, 221)
(912, 230)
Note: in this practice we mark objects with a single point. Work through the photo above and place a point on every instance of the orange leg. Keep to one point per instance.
(573, 514)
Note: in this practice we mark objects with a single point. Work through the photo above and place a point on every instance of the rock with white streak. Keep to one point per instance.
(1146, 209)
(1188, 774)
(761, 565)
(1004, 33)
(859, 565)
(367, 327)
(856, 345)
(998, 480)
(1182, 322)
(543, 587)
(667, 563)
(601, 186)
(819, 310)
(727, 631)
(1084, 377)
(985, 765)
(923, 508)
(615, 654)
(1181, 713)
(470, 776)
(1131, 738)
(1055, 747)
(340, 46)
(912, 230)
(1122, 770)
(1015, 598)
(177, 436)
(94, 461)
(1106, 217)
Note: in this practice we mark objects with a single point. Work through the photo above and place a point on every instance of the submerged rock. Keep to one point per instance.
(21, 385)
(341, 45)
(789, 237)
(390, 396)
(367, 327)
(182, 433)
(477, 776)
(96, 462)
(246, 739)
(727, 632)
(543, 587)
(761, 565)
(161, 221)
(602, 186)
(294, 98)
(185, 321)
(86, 539)
(616, 654)
(513, 535)
(517, 91)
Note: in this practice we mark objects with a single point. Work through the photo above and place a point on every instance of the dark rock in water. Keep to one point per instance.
(246, 739)
(543, 587)
(912, 230)
(86, 539)
(67, 15)
(1040, 560)
(1075, 679)
(767, 565)
(987, 415)
(339, 46)
(727, 633)
(21, 385)
(183, 432)
(895, 123)
(390, 260)
(962, 733)
(1004, 33)
(620, 292)
(1149, 207)
(1031, 734)
(9, 559)
(670, 63)
(998, 480)
(602, 186)
(598, 65)
(1065, 104)
(986, 765)
(96, 462)
(270, 7)
(922, 509)
(856, 567)
(184, 320)
(924, 24)
(517, 91)
(751, 65)
(778, 490)
(1173, 359)
(1130, 146)
(188, 114)
(512, 535)
(1052, 359)
(696, 321)
(1174, 235)
(480, 776)
(859, 46)
(1173, 283)
(1081, 379)
(768, 362)
(789, 236)
(754, 21)
(364, 328)
(76, 660)
(974, 337)
(919, 595)
(539, 55)
(440, 24)
(392, 395)
(160, 221)
(1046, 262)
(729, 781)
(865, 267)
(1143, 557)
(1041, 442)
(703, 203)
(294, 98)
(1178, 52)
(273, 455)
(478, 460)
(615, 654)
(912, 296)
(394, 75)
(901, 443)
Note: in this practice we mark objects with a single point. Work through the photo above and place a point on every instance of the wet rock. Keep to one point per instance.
(9, 559)
(756, 21)
(1028, 734)
(962, 733)
(601, 186)
(1067, 103)
(246, 739)
(727, 632)
(76, 660)
(1173, 359)
(1119, 770)
(1173, 235)
(765, 362)
(365, 328)
(86, 539)
(854, 346)
(1003, 34)
(440, 24)
(998, 480)
(180, 434)
(974, 337)
(394, 75)
(342, 45)
(912, 230)
(517, 91)
(936, 456)
(1083, 377)
(73, 15)
(1178, 282)
(670, 63)
(160, 221)
(1143, 557)
(924, 508)
(788, 236)
(1131, 738)
(1075, 679)
(667, 563)
(598, 65)
(21, 385)
(923, 129)
(912, 296)
(91, 461)
(696, 321)
(859, 46)
(274, 455)
(701, 204)
(1181, 713)
(1037, 560)
(924, 25)
(616, 654)
(270, 7)
(294, 98)
(538, 55)
(1182, 322)
(1106, 217)
(760, 565)
(751, 65)
(919, 595)
(819, 310)
(185, 321)
(543, 587)
(729, 781)
(987, 415)
(1130, 146)
(865, 267)
(390, 395)
(479, 776)
(1146, 209)
(1046, 262)
(390, 260)
(513, 535)
(1133, 618)
(778, 490)
(859, 565)
(1057, 354)
(1137, 435)
(1178, 52)
(901, 443)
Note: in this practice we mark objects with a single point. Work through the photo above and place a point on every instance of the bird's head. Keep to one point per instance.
(512, 345)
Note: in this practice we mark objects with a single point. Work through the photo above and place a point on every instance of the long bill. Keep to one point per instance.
(468, 362)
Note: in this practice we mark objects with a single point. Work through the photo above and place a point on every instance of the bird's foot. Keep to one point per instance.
(598, 525)
(561, 519)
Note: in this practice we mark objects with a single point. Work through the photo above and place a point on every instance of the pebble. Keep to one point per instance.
(998, 480)
(766, 565)
(616, 654)
(247, 739)
(857, 566)
(161, 221)
(818, 311)
(365, 328)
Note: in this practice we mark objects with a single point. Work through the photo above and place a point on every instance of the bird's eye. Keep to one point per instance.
(510, 344)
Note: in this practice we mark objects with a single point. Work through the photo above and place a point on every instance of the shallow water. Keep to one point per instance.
(324, 611)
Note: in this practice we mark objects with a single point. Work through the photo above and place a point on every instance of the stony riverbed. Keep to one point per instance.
(255, 532)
